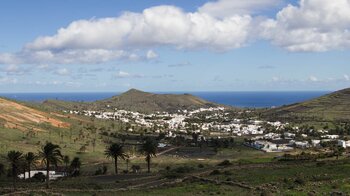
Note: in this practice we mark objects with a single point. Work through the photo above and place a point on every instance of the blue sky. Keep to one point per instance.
(174, 45)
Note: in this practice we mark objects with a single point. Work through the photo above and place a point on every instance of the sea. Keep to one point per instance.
(237, 99)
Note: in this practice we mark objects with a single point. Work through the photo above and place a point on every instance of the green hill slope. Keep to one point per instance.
(331, 107)
(139, 101)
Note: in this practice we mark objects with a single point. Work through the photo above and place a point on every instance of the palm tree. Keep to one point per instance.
(66, 161)
(115, 151)
(15, 159)
(75, 165)
(2, 169)
(30, 159)
(149, 149)
(50, 154)
(338, 151)
(127, 164)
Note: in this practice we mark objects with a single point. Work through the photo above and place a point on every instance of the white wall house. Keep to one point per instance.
(53, 174)
(343, 143)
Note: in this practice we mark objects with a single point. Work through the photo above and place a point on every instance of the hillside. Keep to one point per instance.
(135, 100)
(334, 106)
(27, 126)
(19, 116)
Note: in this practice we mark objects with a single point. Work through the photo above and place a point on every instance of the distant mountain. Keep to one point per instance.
(330, 107)
(20, 116)
(136, 100)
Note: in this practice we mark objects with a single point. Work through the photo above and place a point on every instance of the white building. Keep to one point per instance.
(316, 143)
(302, 144)
(52, 174)
(344, 144)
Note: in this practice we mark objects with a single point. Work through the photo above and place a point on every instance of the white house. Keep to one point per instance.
(302, 144)
(316, 143)
(344, 144)
(331, 136)
(53, 174)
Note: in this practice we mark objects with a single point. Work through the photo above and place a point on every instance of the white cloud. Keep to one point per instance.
(161, 25)
(7, 80)
(14, 69)
(11, 69)
(225, 8)
(275, 79)
(43, 66)
(183, 64)
(313, 25)
(313, 79)
(151, 54)
(123, 74)
(62, 72)
(64, 56)
(346, 77)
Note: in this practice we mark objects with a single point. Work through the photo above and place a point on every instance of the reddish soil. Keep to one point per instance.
(19, 116)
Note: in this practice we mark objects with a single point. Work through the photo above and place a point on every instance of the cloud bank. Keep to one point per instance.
(156, 26)
(311, 26)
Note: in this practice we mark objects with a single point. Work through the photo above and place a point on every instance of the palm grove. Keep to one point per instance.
(50, 157)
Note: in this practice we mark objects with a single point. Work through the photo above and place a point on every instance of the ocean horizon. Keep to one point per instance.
(250, 99)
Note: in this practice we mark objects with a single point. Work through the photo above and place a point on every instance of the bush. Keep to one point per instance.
(172, 175)
(136, 168)
(200, 166)
(98, 172)
(300, 181)
(75, 173)
(101, 170)
(167, 168)
(320, 164)
(225, 163)
(104, 169)
(2, 169)
(39, 177)
(215, 172)
(183, 169)
(177, 172)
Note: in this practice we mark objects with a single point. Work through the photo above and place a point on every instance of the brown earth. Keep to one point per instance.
(15, 115)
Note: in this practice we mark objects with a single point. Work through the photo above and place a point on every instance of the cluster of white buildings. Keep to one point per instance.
(274, 142)
(178, 121)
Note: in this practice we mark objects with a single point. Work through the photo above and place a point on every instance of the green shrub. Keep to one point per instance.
(183, 169)
(215, 172)
(40, 177)
(225, 163)
(299, 180)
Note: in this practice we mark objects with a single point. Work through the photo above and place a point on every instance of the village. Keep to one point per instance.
(216, 122)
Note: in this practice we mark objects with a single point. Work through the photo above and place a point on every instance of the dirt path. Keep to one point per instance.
(168, 150)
